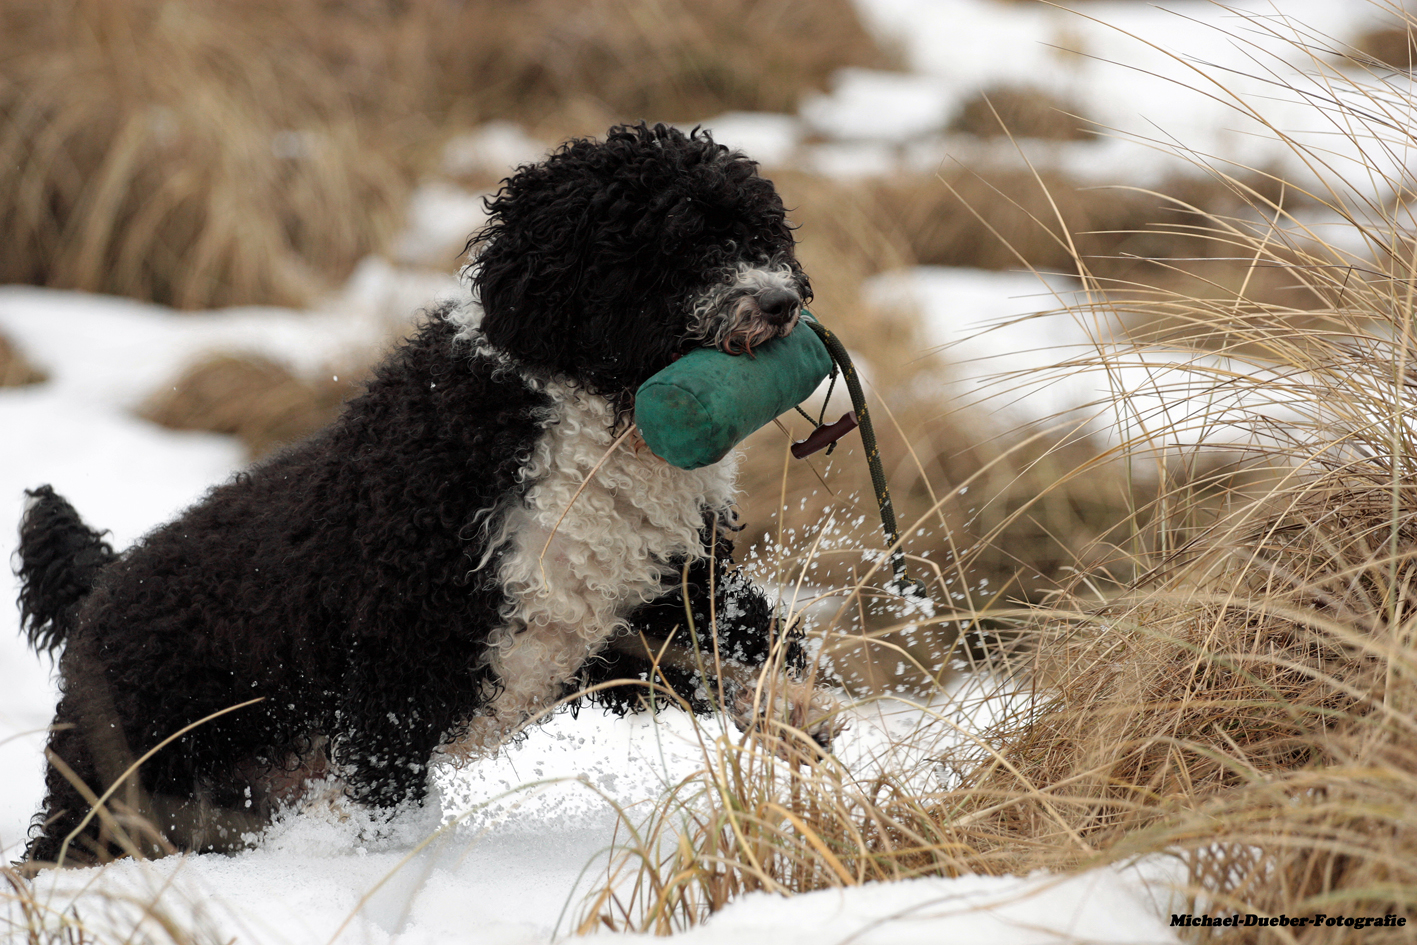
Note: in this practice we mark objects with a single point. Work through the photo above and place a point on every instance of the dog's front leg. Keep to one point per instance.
(716, 641)
(386, 732)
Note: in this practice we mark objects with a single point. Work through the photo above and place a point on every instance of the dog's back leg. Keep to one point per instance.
(88, 753)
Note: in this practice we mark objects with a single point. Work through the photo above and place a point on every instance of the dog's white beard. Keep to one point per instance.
(726, 316)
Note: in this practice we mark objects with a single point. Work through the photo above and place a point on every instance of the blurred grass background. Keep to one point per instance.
(200, 153)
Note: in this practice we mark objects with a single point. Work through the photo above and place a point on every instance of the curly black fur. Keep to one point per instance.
(60, 559)
(342, 582)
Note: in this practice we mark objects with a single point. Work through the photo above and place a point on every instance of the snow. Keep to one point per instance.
(508, 846)
(493, 149)
(440, 217)
(1101, 906)
(1017, 354)
(766, 137)
(503, 890)
(1155, 79)
(879, 106)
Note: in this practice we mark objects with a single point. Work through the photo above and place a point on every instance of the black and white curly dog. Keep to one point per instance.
(460, 550)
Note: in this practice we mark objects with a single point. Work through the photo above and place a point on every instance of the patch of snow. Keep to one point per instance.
(766, 137)
(1163, 78)
(441, 217)
(387, 297)
(496, 149)
(1016, 354)
(849, 160)
(1099, 906)
(870, 105)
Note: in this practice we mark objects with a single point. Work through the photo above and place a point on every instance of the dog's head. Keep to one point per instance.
(612, 257)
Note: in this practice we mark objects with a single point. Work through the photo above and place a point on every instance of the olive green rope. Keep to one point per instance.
(903, 583)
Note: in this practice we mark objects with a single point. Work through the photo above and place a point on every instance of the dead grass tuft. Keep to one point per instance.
(1022, 112)
(1246, 709)
(15, 369)
(1021, 219)
(1250, 714)
(681, 60)
(1392, 46)
(252, 398)
(178, 152)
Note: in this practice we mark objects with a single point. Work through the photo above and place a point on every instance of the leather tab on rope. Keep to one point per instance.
(903, 583)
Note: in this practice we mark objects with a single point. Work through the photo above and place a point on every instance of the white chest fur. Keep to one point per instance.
(587, 545)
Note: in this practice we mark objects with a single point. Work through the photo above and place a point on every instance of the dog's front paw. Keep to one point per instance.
(797, 713)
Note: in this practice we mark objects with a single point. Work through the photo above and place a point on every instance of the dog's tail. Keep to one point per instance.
(60, 559)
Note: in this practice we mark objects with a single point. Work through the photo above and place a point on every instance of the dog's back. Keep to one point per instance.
(60, 559)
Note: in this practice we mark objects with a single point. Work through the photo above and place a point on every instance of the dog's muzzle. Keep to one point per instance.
(762, 316)
(779, 306)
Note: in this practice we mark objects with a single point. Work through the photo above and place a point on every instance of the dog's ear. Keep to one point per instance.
(588, 259)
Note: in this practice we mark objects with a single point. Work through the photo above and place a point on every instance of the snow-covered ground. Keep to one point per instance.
(514, 842)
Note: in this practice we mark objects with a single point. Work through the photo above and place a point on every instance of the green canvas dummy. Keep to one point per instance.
(701, 406)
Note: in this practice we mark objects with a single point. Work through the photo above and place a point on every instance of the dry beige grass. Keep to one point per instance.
(252, 398)
(1022, 112)
(1019, 219)
(1273, 667)
(681, 60)
(201, 153)
(1245, 710)
(177, 152)
(15, 369)
(1392, 46)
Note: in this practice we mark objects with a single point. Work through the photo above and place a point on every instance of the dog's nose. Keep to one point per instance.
(778, 305)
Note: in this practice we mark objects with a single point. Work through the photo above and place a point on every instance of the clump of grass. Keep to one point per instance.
(1389, 46)
(176, 152)
(1245, 707)
(681, 60)
(15, 369)
(259, 401)
(1022, 112)
(1249, 712)
(1012, 218)
(751, 822)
